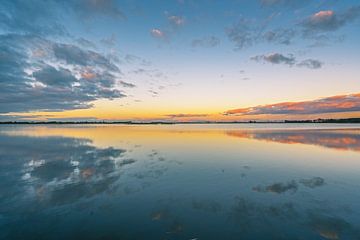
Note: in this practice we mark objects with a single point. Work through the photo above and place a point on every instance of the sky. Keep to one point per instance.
(179, 60)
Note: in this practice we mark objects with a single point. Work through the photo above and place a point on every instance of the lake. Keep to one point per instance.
(193, 182)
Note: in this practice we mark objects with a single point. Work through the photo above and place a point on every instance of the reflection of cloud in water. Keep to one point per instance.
(57, 170)
(159, 215)
(250, 215)
(291, 186)
(313, 182)
(170, 222)
(337, 139)
(332, 227)
(278, 188)
(61, 170)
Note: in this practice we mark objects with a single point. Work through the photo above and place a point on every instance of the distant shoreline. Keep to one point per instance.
(346, 120)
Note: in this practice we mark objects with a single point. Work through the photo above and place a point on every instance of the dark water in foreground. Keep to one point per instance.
(180, 182)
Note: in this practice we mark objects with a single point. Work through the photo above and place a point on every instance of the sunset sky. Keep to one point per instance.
(179, 60)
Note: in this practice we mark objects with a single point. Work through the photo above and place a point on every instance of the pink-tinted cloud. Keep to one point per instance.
(157, 33)
(323, 16)
(328, 20)
(340, 103)
(186, 115)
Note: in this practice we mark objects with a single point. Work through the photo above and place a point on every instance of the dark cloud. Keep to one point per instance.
(329, 20)
(278, 188)
(176, 21)
(130, 58)
(341, 103)
(72, 54)
(126, 162)
(310, 63)
(38, 73)
(275, 58)
(246, 33)
(243, 34)
(290, 60)
(47, 87)
(126, 84)
(206, 42)
(73, 119)
(51, 76)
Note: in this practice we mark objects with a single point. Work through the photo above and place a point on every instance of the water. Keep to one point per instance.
(239, 181)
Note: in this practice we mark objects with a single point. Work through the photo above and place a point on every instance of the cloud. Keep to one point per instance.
(157, 33)
(286, 3)
(183, 115)
(22, 117)
(126, 84)
(338, 140)
(31, 17)
(340, 103)
(280, 36)
(206, 42)
(72, 119)
(51, 76)
(329, 20)
(310, 63)
(72, 54)
(168, 31)
(29, 84)
(176, 20)
(44, 17)
(313, 182)
(290, 60)
(275, 58)
(90, 8)
(246, 33)
(210, 206)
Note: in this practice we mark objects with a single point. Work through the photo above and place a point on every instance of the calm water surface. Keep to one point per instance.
(238, 181)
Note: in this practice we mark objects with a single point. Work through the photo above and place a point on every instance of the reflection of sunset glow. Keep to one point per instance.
(329, 234)
(337, 139)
